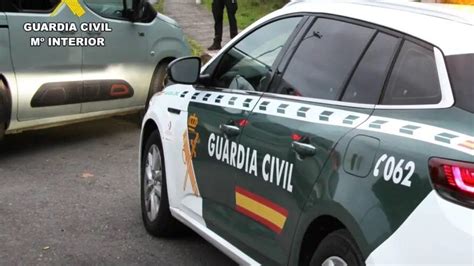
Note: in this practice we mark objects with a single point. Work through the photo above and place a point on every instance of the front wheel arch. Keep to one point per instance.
(149, 127)
(164, 225)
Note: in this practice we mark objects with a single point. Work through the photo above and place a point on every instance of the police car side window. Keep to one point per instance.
(414, 79)
(325, 58)
(114, 9)
(368, 80)
(249, 64)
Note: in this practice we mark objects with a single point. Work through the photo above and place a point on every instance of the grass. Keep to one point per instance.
(196, 48)
(160, 6)
(250, 11)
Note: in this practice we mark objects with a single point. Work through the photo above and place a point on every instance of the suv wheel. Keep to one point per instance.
(2, 130)
(155, 207)
(158, 82)
(337, 249)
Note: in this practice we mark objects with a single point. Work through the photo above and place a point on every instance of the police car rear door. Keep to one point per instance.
(219, 111)
(295, 128)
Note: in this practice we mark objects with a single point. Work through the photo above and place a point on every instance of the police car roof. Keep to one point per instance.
(450, 27)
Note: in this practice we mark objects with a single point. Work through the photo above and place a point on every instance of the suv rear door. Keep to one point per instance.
(49, 79)
(296, 127)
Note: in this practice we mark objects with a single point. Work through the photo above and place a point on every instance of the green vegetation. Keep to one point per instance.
(160, 6)
(251, 10)
(196, 48)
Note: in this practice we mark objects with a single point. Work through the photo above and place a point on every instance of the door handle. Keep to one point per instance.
(303, 149)
(230, 130)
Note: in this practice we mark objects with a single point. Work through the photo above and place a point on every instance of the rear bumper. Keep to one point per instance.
(437, 232)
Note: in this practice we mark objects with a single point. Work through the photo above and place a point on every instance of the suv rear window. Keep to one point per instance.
(461, 73)
(31, 5)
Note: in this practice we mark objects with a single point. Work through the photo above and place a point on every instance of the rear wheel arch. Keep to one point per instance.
(5, 102)
(317, 230)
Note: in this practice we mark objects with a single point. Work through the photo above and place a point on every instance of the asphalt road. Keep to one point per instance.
(70, 195)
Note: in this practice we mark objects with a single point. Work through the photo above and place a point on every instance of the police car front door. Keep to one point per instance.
(219, 113)
(214, 127)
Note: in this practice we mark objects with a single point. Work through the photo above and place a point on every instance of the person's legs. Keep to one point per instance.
(231, 6)
(217, 12)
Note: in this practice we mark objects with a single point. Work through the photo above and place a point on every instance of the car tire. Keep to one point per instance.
(2, 131)
(155, 207)
(158, 81)
(339, 249)
(5, 108)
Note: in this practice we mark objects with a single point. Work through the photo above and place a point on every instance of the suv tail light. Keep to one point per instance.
(453, 180)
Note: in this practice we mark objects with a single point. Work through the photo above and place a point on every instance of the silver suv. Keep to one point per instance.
(66, 61)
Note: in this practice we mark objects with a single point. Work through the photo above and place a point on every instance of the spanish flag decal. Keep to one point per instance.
(260, 209)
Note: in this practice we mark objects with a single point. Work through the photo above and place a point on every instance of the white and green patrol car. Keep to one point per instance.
(63, 61)
(324, 134)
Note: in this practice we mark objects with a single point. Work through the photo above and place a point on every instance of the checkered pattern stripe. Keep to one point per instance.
(230, 100)
(417, 131)
(337, 117)
(310, 113)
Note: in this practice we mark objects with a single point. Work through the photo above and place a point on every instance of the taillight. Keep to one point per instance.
(453, 180)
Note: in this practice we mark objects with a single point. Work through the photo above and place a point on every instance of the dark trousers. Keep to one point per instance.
(218, 12)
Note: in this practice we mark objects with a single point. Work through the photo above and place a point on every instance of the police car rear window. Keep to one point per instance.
(461, 73)
(325, 58)
(414, 79)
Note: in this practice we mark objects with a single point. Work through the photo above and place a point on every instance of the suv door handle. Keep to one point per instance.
(303, 149)
(230, 130)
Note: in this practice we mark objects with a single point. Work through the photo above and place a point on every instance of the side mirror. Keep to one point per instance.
(185, 70)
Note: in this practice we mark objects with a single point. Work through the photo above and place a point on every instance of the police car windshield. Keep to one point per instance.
(461, 73)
